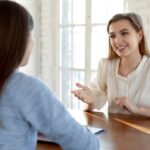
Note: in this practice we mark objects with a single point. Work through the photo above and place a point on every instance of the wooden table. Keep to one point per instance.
(122, 132)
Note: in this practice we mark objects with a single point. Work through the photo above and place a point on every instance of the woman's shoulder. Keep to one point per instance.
(25, 78)
(21, 80)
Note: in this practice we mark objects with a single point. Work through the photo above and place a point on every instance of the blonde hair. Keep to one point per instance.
(136, 22)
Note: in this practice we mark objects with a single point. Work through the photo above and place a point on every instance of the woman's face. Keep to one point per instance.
(124, 39)
(28, 51)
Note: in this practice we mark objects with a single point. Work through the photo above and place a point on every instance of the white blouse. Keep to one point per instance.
(109, 85)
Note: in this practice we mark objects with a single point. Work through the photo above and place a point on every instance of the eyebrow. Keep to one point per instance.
(120, 31)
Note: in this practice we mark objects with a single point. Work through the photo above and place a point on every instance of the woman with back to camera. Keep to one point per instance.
(124, 78)
(27, 106)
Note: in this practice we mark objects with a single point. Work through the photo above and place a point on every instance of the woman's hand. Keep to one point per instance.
(125, 103)
(85, 94)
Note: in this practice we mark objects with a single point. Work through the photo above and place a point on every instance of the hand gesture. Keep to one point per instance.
(125, 103)
(84, 93)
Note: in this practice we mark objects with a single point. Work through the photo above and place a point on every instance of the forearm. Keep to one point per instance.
(143, 111)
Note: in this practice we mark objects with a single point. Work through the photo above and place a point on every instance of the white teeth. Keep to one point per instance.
(121, 47)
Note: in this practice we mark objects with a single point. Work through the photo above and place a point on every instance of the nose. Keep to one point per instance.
(118, 39)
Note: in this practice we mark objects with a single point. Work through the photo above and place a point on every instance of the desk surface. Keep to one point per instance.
(122, 132)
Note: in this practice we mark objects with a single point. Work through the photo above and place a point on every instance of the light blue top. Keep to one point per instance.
(27, 107)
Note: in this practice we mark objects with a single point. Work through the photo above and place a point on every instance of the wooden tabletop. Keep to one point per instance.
(122, 132)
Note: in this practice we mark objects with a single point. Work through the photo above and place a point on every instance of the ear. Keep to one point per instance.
(140, 35)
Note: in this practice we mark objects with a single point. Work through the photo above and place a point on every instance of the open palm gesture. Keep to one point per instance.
(84, 93)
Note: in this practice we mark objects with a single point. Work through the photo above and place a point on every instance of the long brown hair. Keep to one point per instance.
(15, 26)
(136, 22)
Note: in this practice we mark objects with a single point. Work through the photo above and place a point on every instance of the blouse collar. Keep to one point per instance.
(134, 72)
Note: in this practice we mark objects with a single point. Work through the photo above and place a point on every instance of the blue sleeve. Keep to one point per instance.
(44, 111)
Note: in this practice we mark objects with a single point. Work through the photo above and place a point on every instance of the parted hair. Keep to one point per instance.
(136, 22)
(15, 26)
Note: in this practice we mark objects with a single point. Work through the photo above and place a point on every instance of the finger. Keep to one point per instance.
(80, 85)
(75, 91)
(119, 103)
(79, 97)
(82, 99)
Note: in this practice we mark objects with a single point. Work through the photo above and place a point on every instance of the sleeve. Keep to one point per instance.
(99, 85)
(46, 113)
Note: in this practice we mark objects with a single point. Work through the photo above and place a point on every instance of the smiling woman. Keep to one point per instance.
(122, 79)
(58, 47)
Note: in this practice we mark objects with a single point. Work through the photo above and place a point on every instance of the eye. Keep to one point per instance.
(112, 36)
(124, 33)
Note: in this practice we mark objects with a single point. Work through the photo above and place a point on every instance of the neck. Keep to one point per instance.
(128, 64)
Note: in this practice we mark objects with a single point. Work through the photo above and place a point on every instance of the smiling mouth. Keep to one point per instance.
(121, 48)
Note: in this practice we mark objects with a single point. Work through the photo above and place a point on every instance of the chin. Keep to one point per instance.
(122, 55)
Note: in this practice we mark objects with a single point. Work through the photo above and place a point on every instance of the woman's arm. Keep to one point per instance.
(125, 103)
(44, 111)
(142, 110)
(94, 95)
